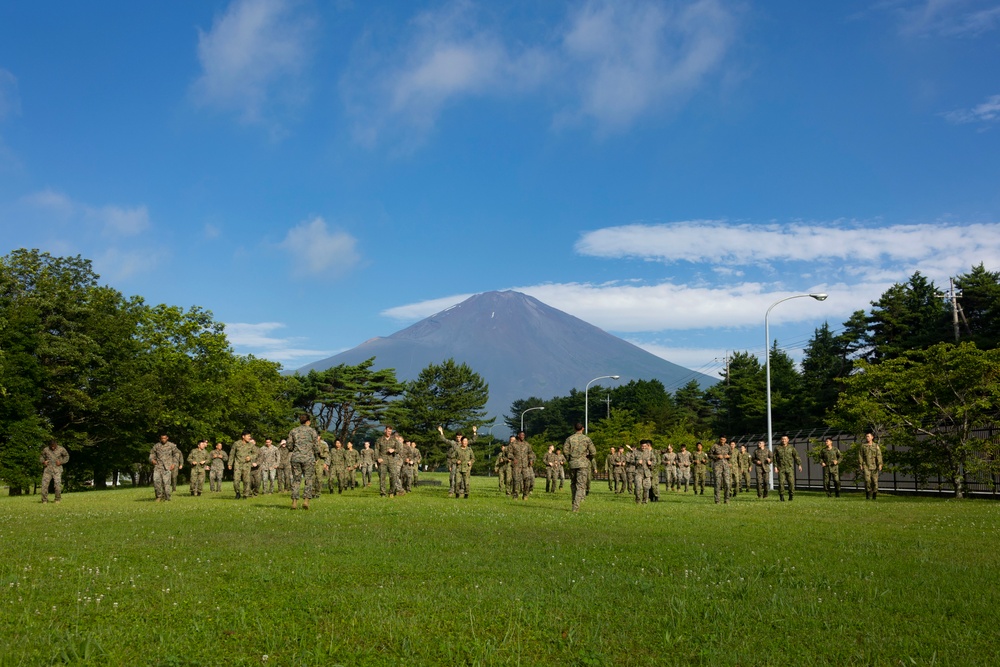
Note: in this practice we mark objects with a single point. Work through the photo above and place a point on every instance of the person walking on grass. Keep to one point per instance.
(829, 458)
(580, 453)
(720, 455)
(163, 456)
(762, 464)
(199, 460)
(870, 462)
(218, 468)
(786, 458)
(699, 463)
(303, 445)
(241, 456)
(465, 458)
(53, 458)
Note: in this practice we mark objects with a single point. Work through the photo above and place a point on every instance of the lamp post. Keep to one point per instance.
(586, 400)
(767, 366)
(537, 407)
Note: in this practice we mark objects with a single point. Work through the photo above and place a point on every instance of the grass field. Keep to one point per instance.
(114, 578)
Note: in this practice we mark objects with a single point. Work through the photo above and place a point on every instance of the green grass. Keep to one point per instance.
(114, 578)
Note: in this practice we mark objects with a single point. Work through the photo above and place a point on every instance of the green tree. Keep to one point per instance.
(980, 304)
(824, 366)
(740, 396)
(694, 412)
(908, 316)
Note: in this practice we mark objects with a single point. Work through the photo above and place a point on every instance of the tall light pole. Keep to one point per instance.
(767, 366)
(586, 400)
(539, 407)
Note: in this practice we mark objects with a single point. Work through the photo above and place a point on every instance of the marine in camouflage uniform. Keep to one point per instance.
(218, 468)
(450, 457)
(734, 483)
(560, 466)
(618, 465)
(255, 470)
(338, 466)
(53, 457)
(684, 460)
(580, 453)
(396, 468)
(465, 457)
(241, 456)
(502, 468)
(743, 469)
(761, 459)
(303, 443)
(829, 458)
(200, 462)
(699, 463)
(409, 468)
(368, 462)
(670, 464)
(517, 452)
(321, 466)
(529, 472)
(609, 469)
(644, 459)
(284, 467)
(163, 456)
(385, 450)
(353, 462)
(720, 455)
(786, 458)
(270, 457)
(870, 462)
(630, 468)
(549, 460)
(178, 465)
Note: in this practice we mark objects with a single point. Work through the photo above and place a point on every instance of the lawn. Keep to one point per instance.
(114, 578)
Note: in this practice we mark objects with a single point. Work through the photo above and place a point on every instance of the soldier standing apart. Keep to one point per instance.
(829, 458)
(453, 447)
(163, 456)
(743, 469)
(466, 457)
(786, 458)
(219, 458)
(198, 458)
(270, 457)
(699, 461)
(762, 463)
(720, 455)
(684, 459)
(550, 469)
(303, 443)
(53, 458)
(643, 481)
(670, 463)
(367, 464)
(284, 467)
(870, 461)
(241, 456)
(580, 453)
(353, 461)
(560, 467)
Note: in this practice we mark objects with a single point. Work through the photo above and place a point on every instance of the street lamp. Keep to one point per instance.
(767, 366)
(538, 407)
(586, 400)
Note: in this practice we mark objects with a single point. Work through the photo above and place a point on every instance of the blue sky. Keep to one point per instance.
(320, 173)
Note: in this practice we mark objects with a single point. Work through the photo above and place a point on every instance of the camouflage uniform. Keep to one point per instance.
(218, 468)
(720, 454)
(396, 468)
(338, 468)
(255, 471)
(302, 447)
(560, 468)
(353, 461)
(786, 458)
(367, 465)
(580, 453)
(408, 470)
(529, 472)
(450, 456)
(734, 484)
(742, 470)
(517, 452)
(163, 456)
(502, 469)
(830, 459)
(284, 468)
(321, 466)
(198, 458)
(684, 459)
(270, 458)
(643, 476)
(699, 461)
(241, 456)
(550, 471)
(52, 460)
(870, 462)
(670, 463)
(630, 470)
(465, 458)
(762, 463)
(609, 468)
(618, 465)
(178, 464)
(382, 447)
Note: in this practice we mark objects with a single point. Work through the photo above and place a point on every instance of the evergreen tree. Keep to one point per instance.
(980, 304)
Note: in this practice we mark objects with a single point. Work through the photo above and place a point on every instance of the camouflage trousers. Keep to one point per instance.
(304, 475)
(352, 478)
(462, 483)
(831, 480)
(53, 475)
(630, 478)
(255, 477)
(395, 483)
(241, 481)
(161, 483)
(743, 479)
(763, 484)
(578, 479)
(619, 480)
(723, 480)
(504, 479)
(338, 476)
(560, 475)
(197, 480)
(408, 476)
(641, 484)
(520, 483)
(871, 480)
(699, 480)
(215, 480)
(319, 472)
(173, 478)
(673, 481)
(366, 475)
(684, 477)
(786, 477)
(550, 480)
(284, 478)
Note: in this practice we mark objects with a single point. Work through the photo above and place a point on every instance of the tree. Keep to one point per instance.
(740, 396)
(824, 366)
(980, 303)
(786, 391)
(934, 404)
(694, 412)
(908, 316)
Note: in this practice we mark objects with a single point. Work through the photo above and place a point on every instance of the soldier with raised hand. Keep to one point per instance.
(303, 443)
(353, 461)
(465, 457)
(53, 457)
(580, 453)
(450, 456)
(218, 467)
(699, 462)
(241, 456)
(199, 460)
(367, 455)
(645, 459)
(338, 466)
(786, 458)
(670, 464)
(829, 458)
(270, 457)
(284, 467)
(870, 462)
(684, 460)
(163, 456)
(720, 455)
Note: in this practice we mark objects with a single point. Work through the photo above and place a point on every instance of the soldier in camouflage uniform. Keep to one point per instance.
(270, 457)
(178, 465)
(762, 464)
(870, 462)
(53, 458)
(720, 455)
(529, 472)
(699, 462)
(618, 470)
(218, 468)
(450, 456)
(408, 468)
(517, 452)
(321, 464)
(829, 458)
(367, 464)
(734, 484)
(684, 460)
(786, 458)
(580, 453)
(199, 460)
(303, 444)
(284, 467)
(609, 468)
(502, 468)
(643, 477)
(384, 448)
(465, 457)
(255, 470)
(353, 462)
(630, 456)
(743, 469)
(549, 460)
(338, 466)
(163, 456)
(396, 468)
(241, 456)
(670, 464)
(560, 466)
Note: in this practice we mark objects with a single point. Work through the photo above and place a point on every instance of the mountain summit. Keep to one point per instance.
(520, 346)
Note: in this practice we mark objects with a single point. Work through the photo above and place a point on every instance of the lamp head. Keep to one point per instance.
(819, 297)
(615, 377)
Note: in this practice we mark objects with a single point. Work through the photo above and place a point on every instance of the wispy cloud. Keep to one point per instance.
(946, 18)
(259, 339)
(315, 250)
(985, 113)
(10, 98)
(112, 220)
(253, 58)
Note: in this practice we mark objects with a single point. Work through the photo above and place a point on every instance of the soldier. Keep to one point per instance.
(644, 463)
(870, 462)
(396, 468)
(53, 458)
(670, 463)
(699, 462)
(303, 444)
(720, 455)
(219, 458)
(609, 468)
(367, 464)
(829, 458)
(560, 466)
(321, 465)
(502, 468)
(338, 466)
(255, 469)
(549, 460)
(270, 457)
(684, 459)
(580, 453)
(199, 460)
(630, 468)
(618, 466)
(761, 463)
(178, 464)
(465, 457)
(743, 468)
(163, 456)
(786, 458)
(353, 461)
(284, 467)
(529, 472)
(408, 472)
(734, 484)
(517, 452)
(450, 456)
(241, 456)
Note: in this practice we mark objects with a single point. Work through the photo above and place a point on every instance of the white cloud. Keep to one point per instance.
(117, 264)
(51, 201)
(985, 112)
(948, 18)
(257, 339)
(10, 99)
(252, 58)
(120, 221)
(113, 220)
(315, 250)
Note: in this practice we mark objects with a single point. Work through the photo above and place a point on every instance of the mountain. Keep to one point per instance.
(520, 346)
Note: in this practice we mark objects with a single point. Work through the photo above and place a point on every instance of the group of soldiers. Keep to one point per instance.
(515, 468)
